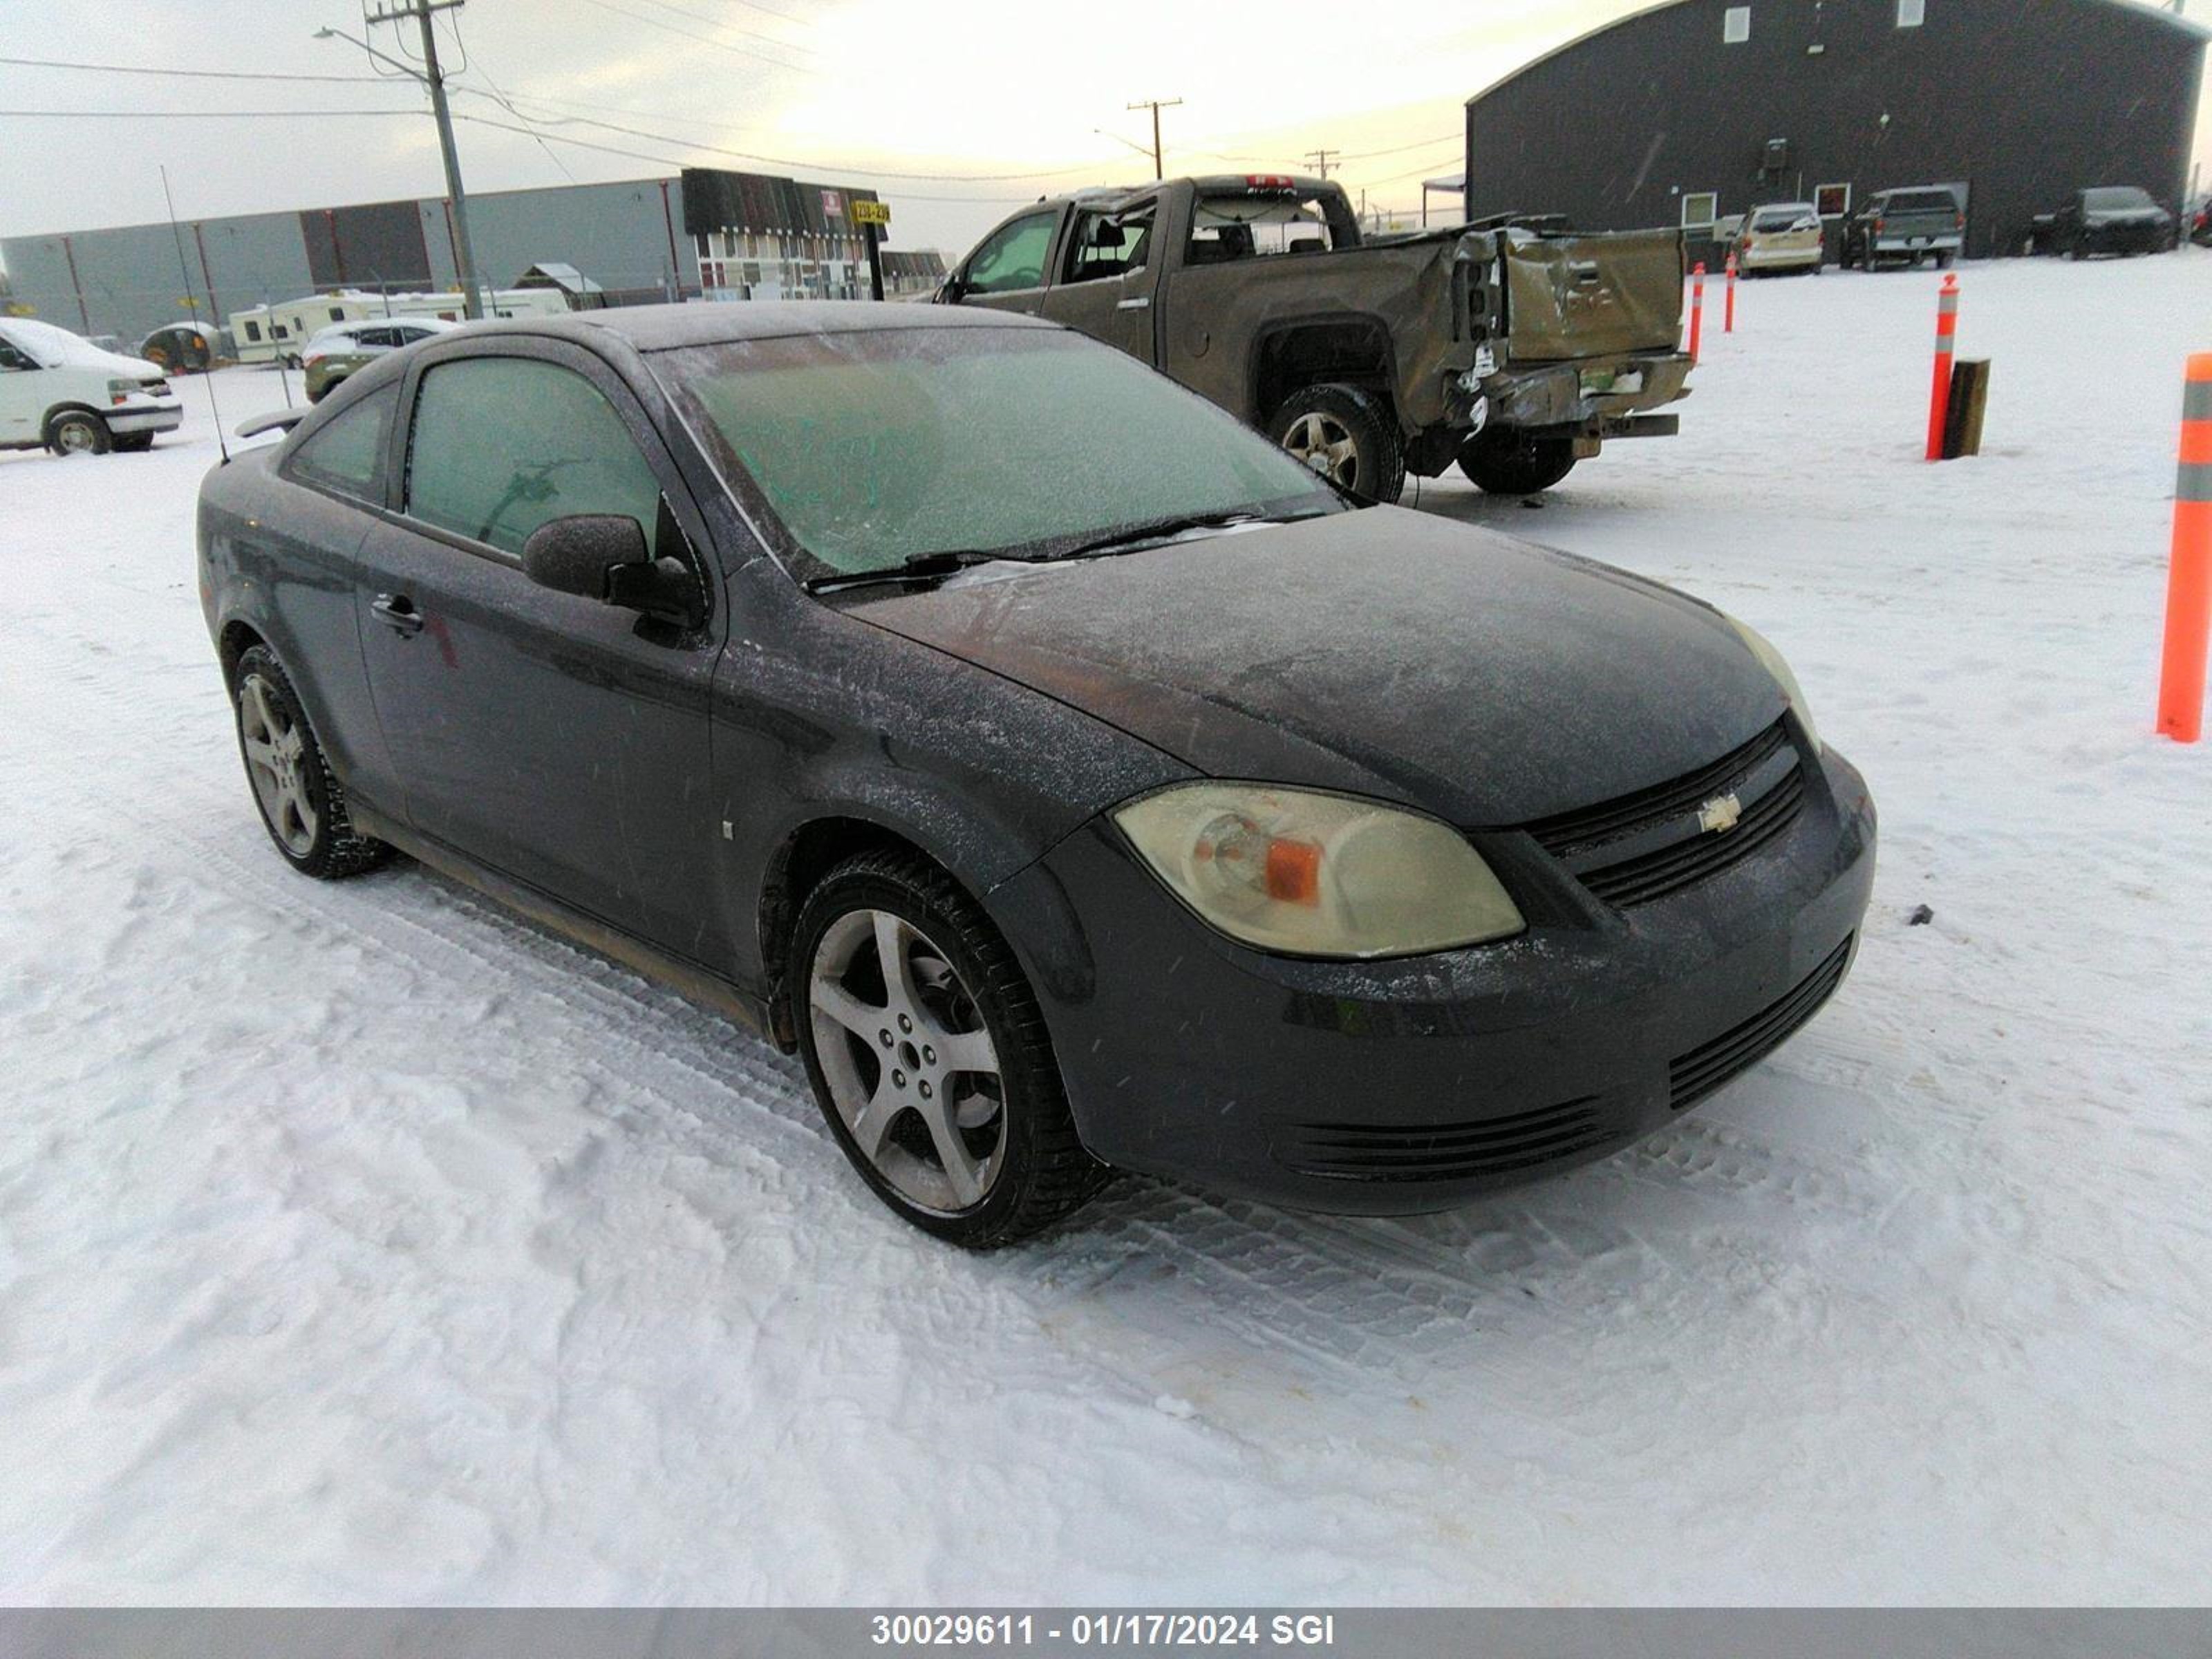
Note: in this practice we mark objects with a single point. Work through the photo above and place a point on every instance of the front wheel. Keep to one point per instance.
(303, 806)
(75, 432)
(929, 1058)
(1347, 435)
(1509, 463)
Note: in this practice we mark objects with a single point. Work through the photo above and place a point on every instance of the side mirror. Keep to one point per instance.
(603, 557)
(578, 554)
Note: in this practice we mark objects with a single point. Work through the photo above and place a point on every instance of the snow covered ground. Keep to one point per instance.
(359, 1243)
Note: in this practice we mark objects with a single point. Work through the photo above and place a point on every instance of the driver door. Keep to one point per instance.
(561, 741)
(1006, 270)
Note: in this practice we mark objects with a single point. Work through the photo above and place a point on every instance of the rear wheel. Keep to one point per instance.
(929, 1057)
(77, 432)
(302, 804)
(1346, 435)
(1509, 463)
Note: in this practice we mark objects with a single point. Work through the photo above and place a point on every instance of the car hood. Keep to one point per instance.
(1383, 652)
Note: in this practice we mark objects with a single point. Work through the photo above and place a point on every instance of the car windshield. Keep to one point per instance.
(2115, 198)
(873, 448)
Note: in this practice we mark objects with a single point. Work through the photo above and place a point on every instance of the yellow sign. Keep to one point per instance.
(872, 213)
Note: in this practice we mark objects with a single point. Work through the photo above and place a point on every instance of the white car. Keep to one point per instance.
(336, 351)
(60, 391)
(1781, 236)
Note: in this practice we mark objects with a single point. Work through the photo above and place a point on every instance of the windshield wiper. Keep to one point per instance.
(932, 566)
(1127, 539)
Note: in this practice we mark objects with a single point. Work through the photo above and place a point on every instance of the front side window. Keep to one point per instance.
(1012, 257)
(346, 454)
(501, 445)
(873, 447)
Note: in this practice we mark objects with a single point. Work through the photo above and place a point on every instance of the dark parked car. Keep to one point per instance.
(2200, 221)
(1919, 223)
(2115, 219)
(1070, 775)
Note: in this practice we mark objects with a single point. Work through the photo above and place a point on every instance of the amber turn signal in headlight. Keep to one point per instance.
(1309, 874)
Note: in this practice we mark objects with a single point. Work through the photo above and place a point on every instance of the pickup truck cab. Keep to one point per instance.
(1921, 222)
(1507, 345)
(60, 391)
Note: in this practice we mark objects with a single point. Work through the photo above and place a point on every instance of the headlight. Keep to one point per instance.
(1315, 875)
(1770, 660)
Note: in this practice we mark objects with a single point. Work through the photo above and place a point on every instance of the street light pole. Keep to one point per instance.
(433, 78)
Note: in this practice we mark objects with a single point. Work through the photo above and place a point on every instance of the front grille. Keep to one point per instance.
(1444, 1151)
(1691, 1076)
(1623, 852)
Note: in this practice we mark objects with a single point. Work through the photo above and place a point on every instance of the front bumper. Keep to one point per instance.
(1408, 1085)
(144, 417)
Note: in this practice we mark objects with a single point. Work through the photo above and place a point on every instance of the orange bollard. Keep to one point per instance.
(1728, 325)
(1947, 339)
(1696, 309)
(2189, 581)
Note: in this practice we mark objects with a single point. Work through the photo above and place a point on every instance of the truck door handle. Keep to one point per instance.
(397, 612)
(1137, 304)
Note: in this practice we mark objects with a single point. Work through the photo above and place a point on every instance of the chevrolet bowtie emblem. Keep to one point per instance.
(1719, 813)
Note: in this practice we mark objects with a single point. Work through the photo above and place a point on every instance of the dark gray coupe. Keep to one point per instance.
(1074, 780)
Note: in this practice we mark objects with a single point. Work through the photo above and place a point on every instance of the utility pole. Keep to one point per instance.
(1156, 105)
(1320, 159)
(434, 78)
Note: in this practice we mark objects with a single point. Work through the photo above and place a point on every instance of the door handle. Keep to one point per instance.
(397, 612)
(1137, 304)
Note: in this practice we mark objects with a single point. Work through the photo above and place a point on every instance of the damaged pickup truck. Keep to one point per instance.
(1509, 345)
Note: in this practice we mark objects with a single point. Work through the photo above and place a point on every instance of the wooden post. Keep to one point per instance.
(1969, 400)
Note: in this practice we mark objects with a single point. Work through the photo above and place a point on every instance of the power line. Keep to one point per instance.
(735, 28)
(197, 114)
(707, 39)
(192, 73)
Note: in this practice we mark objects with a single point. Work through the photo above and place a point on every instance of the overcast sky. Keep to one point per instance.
(838, 90)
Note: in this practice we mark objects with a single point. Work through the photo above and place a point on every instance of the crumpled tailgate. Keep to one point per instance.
(1595, 296)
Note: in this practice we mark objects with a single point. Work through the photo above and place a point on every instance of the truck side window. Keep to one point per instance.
(1108, 246)
(1012, 257)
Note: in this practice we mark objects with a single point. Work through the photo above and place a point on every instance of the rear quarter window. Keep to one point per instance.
(345, 456)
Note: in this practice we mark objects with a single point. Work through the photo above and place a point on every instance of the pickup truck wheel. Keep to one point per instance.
(74, 432)
(1509, 463)
(1346, 434)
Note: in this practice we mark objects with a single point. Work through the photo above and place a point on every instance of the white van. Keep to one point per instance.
(60, 391)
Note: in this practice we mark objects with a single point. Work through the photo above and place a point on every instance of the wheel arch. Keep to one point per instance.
(67, 406)
(1350, 348)
(1039, 924)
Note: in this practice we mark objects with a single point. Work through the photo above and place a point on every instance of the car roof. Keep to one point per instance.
(667, 327)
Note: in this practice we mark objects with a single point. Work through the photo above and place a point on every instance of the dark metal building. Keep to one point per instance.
(1690, 112)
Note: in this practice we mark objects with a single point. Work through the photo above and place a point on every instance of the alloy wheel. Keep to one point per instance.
(910, 1065)
(276, 760)
(1322, 442)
